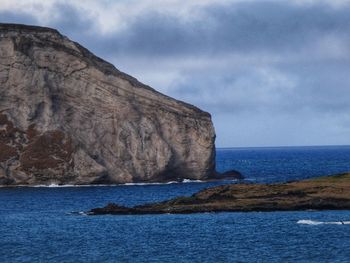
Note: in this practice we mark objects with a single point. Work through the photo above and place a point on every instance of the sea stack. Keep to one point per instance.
(69, 117)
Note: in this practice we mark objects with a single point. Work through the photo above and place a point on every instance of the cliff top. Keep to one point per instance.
(22, 27)
(61, 42)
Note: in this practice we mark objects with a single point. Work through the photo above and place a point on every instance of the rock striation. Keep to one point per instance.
(69, 117)
(322, 193)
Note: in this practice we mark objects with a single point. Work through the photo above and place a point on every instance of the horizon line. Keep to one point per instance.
(284, 146)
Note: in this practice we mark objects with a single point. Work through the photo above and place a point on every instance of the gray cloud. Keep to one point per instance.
(70, 21)
(270, 72)
(13, 17)
(215, 29)
(242, 27)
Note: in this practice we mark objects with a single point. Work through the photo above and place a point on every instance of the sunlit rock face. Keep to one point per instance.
(68, 117)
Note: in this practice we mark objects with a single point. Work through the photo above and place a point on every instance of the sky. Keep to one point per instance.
(271, 73)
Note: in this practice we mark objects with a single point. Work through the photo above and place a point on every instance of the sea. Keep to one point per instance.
(48, 224)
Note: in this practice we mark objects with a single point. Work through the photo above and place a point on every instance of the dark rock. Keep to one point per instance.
(323, 193)
(111, 209)
(228, 175)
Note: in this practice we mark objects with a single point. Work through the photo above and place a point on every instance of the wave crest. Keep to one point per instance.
(312, 222)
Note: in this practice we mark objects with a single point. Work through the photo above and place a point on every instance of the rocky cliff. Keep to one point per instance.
(69, 117)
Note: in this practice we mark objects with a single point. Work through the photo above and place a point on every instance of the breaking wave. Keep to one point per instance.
(53, 185)
(79, 213)
(312, 222)
(171, 182)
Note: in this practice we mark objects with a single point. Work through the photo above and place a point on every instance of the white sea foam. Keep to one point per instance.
(131, 184)
(170, 182)
(56, 185)
(309, 222)
(192, 181)
(80, 213)
(53, 185)
(312, 222)
(83, 213)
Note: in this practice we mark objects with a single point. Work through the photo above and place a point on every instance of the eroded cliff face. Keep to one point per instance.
(68, 117)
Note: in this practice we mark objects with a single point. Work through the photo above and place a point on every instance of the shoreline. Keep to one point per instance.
(231, 175)
(185, 181)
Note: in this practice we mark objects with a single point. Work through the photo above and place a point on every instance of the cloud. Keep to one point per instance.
(221, 28)
(270, 72)
(11, 17)
(158, 28)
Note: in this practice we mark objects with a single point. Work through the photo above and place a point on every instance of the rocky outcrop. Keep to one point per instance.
(323, 193)
(68, 117)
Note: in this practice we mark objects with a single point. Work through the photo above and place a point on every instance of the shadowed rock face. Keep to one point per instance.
(68, 117)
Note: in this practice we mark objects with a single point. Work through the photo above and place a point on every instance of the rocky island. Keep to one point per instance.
(69, 117)
(322, 193)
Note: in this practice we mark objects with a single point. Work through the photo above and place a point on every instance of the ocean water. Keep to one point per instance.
(36, 224)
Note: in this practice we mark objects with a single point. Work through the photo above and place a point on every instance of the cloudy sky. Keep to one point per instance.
(271, 73)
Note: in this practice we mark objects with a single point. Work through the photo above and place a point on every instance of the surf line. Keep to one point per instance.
(312, 222)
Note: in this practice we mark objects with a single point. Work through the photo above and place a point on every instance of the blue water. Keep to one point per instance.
(36, 224)
(285, 163)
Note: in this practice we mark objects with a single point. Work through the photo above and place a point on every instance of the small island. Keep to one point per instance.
(321, 193)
